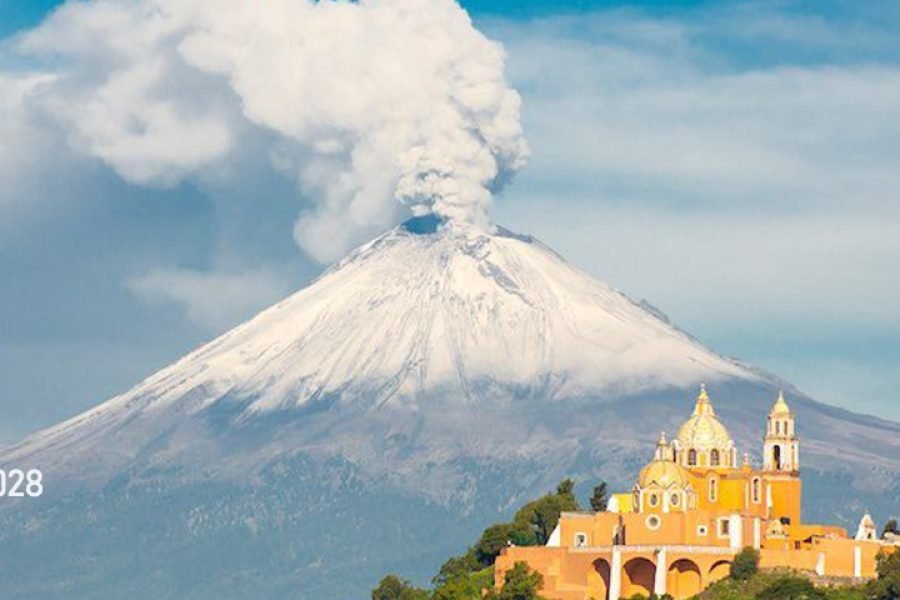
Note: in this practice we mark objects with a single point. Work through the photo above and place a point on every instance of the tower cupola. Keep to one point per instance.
(781, 451)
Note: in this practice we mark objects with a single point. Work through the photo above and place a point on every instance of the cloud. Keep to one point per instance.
(367, 106)
(683, 164)
(728, 166)
(210, 299)
(644, 116)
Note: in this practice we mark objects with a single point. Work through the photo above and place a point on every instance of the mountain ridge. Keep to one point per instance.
(500, 325)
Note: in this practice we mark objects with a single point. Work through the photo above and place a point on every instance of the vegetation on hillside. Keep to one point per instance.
(465, 577)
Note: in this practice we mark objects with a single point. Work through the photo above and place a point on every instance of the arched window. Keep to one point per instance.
(713, 490)
(776, 456)
(714, 458)
(755, 487)
(692, 457)
(777, 427)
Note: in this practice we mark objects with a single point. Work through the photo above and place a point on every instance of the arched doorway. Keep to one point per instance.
(684, 579)
(719, 570)
(638, 577)
(598, 580)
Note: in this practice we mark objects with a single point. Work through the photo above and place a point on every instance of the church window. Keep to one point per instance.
(580, 540)
(654, 499)
(692, 457)
(776, 455)
(702, 530)
(714, 458)
(675, 499)
(652, 522)
(755, 486)
(777, 427)
(724, 527)
(713, 489)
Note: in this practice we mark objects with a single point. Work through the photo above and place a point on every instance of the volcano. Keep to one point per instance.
(375, 420)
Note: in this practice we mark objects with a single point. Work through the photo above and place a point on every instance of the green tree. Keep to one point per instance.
(890, 527)
(467, 586)
(791, 587)
(887, 586)
(520, 583)
(494, 539)
(394, 588)
(600, 497)
(456, 566)
(566, 487)
(535, 521)
(745, 565)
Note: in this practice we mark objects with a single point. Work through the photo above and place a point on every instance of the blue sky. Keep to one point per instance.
(734, 164)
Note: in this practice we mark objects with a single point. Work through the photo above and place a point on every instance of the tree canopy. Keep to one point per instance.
(745, 564)
(599, 497)
(520, 583)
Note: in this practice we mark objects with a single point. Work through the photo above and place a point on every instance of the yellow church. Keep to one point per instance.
(695, 506)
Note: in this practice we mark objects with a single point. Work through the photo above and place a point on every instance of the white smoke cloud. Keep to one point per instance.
(366, 103)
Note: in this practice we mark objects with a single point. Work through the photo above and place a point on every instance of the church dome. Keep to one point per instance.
(663, 473)
(703, 430)
(781, 408)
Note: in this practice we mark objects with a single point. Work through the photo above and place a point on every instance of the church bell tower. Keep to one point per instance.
(781, 464)
(781, 449)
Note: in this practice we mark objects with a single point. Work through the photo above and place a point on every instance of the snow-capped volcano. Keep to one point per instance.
(377, 419)
(421, 311)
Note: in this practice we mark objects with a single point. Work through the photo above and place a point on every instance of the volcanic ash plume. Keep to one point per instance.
(365, 104)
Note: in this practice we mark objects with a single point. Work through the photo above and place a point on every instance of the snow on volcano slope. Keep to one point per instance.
(420, 311)
(412, 312)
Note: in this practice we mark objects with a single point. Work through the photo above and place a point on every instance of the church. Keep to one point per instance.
(695, 506)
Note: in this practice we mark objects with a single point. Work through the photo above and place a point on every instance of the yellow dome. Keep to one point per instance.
(703, 430)
(664, 473)
(780, 408)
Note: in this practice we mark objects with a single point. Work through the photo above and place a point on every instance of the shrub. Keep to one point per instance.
(468, 586)
(394, 588)
(791, 587)
(745, 565)
(887, 586)
(520, 583)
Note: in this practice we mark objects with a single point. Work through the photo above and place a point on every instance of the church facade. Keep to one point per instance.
(695, 506)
